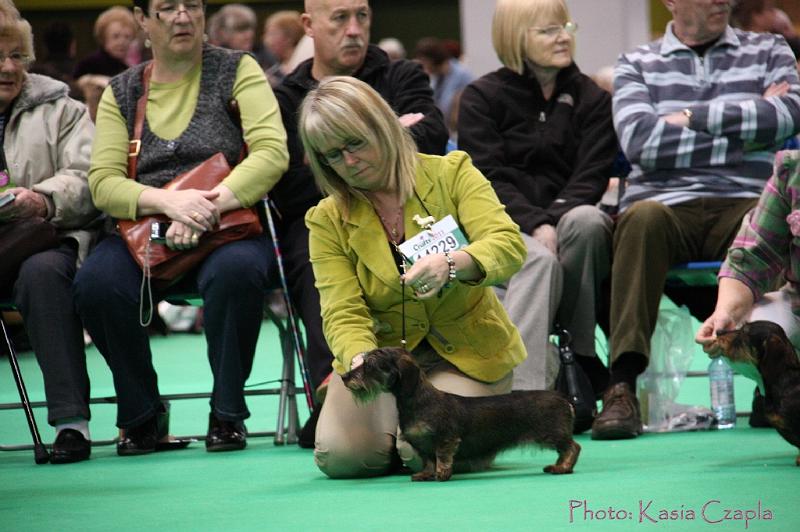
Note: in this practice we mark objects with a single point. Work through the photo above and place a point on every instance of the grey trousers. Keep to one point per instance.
(361, 440)
(566, 288)
(43, 294)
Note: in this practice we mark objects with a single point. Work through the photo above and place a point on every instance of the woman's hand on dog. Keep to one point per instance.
(734, 303)
(707, 334)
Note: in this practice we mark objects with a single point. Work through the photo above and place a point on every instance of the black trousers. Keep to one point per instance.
(43, 294)
(300, 277)
(231, 281)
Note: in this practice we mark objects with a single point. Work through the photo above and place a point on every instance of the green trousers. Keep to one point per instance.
(649, 238)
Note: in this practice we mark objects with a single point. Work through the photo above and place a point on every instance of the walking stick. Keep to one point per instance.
(292, 317)
(40, 454)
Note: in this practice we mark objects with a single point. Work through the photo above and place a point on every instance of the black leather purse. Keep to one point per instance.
(573, 382)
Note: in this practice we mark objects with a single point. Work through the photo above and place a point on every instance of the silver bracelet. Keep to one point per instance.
(451, 267)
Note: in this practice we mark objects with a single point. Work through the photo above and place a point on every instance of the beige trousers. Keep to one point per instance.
(361, 440)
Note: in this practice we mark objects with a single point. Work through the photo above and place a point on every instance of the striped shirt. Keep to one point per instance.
(765, 253)
(733, 133)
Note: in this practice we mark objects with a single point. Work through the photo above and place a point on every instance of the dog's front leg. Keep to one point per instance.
(428, 472)
(444, 458)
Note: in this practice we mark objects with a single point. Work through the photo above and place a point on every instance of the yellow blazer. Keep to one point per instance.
(359, 283)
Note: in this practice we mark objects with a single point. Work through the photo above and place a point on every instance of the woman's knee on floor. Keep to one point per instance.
(356, 456)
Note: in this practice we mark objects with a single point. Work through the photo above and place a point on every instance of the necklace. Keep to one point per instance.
(393, 228)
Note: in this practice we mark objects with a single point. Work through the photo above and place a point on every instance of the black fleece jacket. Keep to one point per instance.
(543, 157)
(403, 84)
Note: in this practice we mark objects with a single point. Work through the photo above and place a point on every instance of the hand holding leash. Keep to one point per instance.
(428, 275)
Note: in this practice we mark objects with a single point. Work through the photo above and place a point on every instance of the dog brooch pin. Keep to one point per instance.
(424, 223)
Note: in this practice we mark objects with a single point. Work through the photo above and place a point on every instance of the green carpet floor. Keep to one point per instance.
(742, 473)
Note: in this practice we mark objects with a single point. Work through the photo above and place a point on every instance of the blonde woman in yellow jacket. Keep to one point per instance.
(377, 185)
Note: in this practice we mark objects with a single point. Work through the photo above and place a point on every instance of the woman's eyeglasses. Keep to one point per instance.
(336, 155)
(18, 58)
(551, 32)
(170, 11)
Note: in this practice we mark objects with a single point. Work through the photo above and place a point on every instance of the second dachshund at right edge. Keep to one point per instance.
(445, 428)
(765, 345)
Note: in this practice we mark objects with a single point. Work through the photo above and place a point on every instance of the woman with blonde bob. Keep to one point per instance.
(542, 133)
(377, 187)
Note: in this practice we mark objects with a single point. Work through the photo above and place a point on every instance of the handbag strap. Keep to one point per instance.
(135, 144)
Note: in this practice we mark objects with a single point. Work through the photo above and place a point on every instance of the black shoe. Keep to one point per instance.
(758, 419)
(307, 434)
(225, 435)
(70, 446)
(141, 439)
(620, 418)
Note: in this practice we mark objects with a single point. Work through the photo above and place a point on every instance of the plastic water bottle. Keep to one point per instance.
(720, 376)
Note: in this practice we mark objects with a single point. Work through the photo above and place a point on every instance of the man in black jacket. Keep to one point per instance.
(340, 29)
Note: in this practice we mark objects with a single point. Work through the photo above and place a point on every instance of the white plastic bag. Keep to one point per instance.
(672, 349)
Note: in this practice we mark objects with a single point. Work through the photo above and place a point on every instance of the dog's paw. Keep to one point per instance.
(444, 474)
(423, 476)
(556, 469)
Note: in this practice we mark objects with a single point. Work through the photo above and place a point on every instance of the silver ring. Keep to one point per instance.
(424, 287)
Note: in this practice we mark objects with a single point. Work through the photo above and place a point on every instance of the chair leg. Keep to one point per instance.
(287, 419)
(41, 456)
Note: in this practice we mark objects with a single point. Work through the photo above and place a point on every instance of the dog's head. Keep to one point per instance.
(754, 342)
(387, 369)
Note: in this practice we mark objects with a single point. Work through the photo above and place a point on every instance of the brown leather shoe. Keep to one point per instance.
(620, 418)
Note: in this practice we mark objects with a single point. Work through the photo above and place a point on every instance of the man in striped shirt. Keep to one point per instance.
(700, 114)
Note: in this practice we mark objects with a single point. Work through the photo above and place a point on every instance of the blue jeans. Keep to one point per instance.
(231, 281)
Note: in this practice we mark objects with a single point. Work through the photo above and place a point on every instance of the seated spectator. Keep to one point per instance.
(393, 48)
(368, 165)
(758, 280)
(782, 24)
(753, 15)
(45, 159)
(178, 134)
(341, 48)
(114, 31)
(762, 16)
(59, 60)
(541, 132)
(233, 27)
(282, 31)
(700, 160)
(448, 76)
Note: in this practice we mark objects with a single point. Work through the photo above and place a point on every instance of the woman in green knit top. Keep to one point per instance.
(187, 120)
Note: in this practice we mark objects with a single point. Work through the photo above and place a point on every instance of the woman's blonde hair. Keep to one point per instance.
(343, 109)
(510, 25)
(13, 26)
(120, 14)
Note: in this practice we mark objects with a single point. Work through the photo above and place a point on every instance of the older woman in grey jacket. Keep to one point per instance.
(47, 141)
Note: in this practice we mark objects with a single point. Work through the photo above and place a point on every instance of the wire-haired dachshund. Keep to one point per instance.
(765, 345)
(445, 428)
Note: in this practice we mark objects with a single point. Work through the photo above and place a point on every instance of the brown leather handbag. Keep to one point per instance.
(157, 260)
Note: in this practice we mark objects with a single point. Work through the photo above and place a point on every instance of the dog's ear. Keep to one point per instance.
(409, 372)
